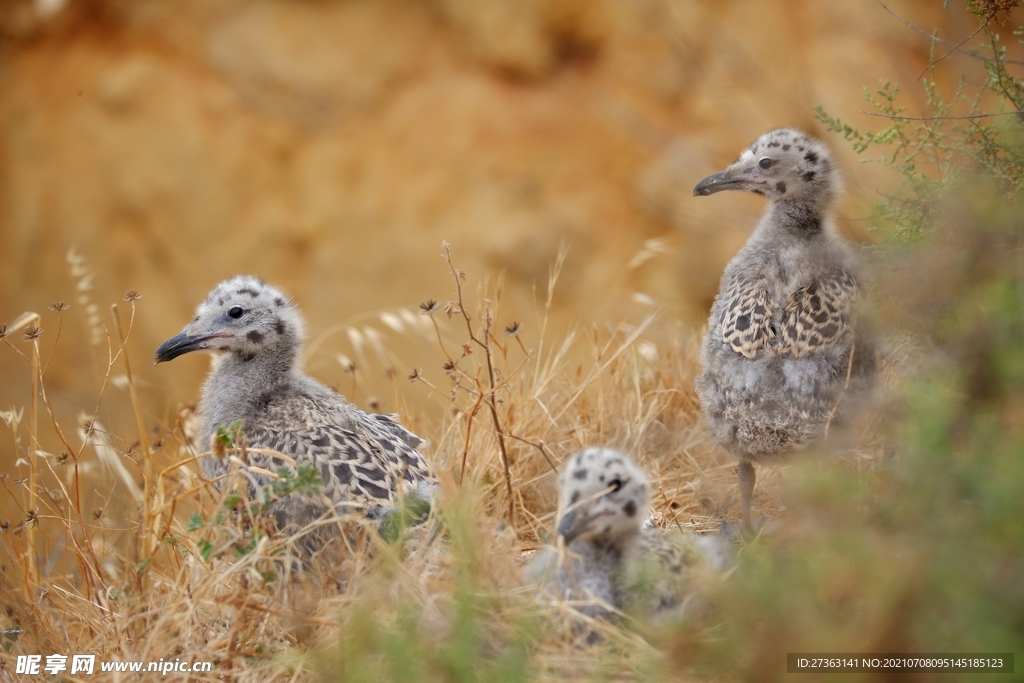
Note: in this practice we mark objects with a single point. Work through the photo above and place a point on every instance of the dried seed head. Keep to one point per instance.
(97, 513)
(415, 374)
(513, 329)
(58, 306)
(132, 295)
(428, 307)
(62, 459)
(33, 332)
(218, 448)
(989, 9)
(449, 365)
(347, 364)
(4, 331)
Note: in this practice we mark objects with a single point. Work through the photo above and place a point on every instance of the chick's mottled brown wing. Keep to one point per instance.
(819, 314)
(745, 322)
(660, 574)
(390, 421)
(361, 460)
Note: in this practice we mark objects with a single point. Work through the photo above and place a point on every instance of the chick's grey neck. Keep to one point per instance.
(238, 381)
(801, 218)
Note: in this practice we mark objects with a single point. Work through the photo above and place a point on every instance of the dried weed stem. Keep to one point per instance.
(149, 529)
(486, 393)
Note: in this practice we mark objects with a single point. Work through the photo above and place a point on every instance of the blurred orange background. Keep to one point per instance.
(329, 146)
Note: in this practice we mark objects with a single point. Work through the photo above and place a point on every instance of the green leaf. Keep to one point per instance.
(196, 522)
(232, 500)
(205, 549)
(231, 435)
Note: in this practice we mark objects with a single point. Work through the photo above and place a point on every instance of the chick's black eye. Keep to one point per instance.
(765, 163)
(236, 312)
(615, 484)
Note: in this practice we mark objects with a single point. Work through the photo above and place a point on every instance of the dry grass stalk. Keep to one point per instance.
(150, 521)
(191, 573)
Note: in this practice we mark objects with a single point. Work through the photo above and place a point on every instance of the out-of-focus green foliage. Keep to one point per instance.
(241, 519)
(921, 549)
(472, 634)
(974, 131)
(922, 552)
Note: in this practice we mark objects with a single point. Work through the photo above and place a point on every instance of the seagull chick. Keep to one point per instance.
(783, 357)
(612, 562)
(366, 461)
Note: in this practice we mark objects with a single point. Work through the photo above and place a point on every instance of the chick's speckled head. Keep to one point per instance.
(783, 164)
(602, 495)
(242, 315)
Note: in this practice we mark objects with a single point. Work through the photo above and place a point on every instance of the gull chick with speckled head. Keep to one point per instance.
(366, 460)
(612, 561)
(783, 356)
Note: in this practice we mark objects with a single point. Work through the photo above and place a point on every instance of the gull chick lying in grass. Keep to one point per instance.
(611, 561)
(256, 387)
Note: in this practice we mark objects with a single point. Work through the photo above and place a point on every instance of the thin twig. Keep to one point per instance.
(952, 50)
(539, 445)
(470, 415)
(895, 117)
(147, 548)
(32, 580)
(489, 395)
(244, 604)
(947, 43)
(440, 342)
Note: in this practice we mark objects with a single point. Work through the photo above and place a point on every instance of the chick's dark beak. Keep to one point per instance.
(181, 344)
(572, 525)
(718, 182)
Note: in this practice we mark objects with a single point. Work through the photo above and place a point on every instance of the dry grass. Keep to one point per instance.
(117, 548)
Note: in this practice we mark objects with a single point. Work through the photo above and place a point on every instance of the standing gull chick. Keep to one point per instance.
(782, 356)
(365, 460)
(612, 561)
